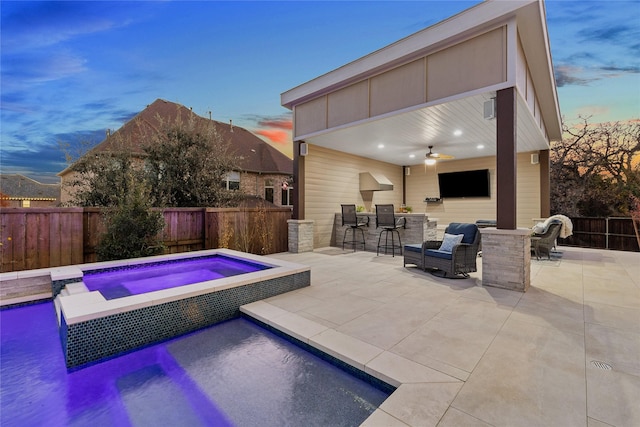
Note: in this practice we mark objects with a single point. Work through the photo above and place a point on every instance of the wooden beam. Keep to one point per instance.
(506, 158)
(298, 182)
(545, 184)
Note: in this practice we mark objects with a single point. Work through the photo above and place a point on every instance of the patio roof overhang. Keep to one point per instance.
(406, 136)
(410, 131)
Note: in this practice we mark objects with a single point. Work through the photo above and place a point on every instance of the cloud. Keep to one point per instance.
(616, 70)
(277, 123)
(276, 136)
(43, 165)
(29, 25)
(276, 129)
(569, 75)
(22, 70)
(609, 33)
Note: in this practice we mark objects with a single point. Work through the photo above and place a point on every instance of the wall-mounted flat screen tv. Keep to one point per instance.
(464, 184)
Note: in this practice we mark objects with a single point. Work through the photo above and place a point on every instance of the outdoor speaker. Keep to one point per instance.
(304, 149)
(490, 109)
(535, 159)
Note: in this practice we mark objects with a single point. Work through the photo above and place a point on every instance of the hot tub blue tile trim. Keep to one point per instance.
(58, 285)
(87, 342)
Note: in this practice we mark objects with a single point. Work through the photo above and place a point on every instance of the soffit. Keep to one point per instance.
(412, 132)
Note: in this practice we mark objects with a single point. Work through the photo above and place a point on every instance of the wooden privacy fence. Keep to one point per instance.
(33, 238)
(616, 233)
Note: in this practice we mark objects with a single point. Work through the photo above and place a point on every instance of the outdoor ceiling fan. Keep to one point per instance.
(431, 157)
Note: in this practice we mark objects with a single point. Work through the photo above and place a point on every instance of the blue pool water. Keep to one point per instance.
(133, 280)
(233, 373)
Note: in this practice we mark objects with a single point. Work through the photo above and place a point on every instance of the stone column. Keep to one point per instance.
(430, 228)
(506, 258)
(300, 235)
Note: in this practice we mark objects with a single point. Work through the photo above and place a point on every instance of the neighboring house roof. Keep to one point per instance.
(256, 155)
(19, 187)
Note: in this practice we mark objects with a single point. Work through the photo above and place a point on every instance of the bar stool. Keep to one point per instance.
(386, 219)
(350, 219)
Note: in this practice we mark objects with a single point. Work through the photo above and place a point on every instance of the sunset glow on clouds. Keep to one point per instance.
(70, 70)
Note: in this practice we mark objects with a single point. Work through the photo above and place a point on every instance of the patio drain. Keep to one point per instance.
(601, 365)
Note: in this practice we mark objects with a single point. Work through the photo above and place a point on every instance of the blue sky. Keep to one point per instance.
(71, 70)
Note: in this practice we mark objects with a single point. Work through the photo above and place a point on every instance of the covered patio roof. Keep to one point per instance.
(410, 130)
(407, 135)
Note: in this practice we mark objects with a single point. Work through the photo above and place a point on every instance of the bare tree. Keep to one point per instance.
(100, 178)
(187, 163)
(595, 169)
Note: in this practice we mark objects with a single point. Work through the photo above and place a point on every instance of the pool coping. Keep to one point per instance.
(84, 306)
(405, 375)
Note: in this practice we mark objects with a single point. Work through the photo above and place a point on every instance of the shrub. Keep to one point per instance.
(132, 229)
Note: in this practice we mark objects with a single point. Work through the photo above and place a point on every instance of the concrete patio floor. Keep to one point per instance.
(466, 355)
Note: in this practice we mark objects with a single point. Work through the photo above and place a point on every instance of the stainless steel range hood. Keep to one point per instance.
(374, 182)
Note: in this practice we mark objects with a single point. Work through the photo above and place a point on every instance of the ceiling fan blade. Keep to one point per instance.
(437, 156)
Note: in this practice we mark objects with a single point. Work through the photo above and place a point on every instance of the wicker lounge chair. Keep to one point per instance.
(542, 244)
(459, 262)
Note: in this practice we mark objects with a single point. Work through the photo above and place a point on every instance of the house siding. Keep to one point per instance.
(423, 182)
(472, 64)
(332, 178)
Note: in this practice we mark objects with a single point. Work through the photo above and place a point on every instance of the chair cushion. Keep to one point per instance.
(543, 227)
(449, 241)
(413, 248)
(469, 231)
(438, 254)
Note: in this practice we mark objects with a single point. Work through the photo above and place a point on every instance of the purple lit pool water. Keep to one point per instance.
(133, 280)
(233, 373)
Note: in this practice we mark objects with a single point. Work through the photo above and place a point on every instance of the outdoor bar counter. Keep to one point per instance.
(419, 227)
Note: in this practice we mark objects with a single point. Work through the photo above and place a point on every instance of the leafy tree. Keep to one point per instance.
(132, 228)
(595, 169)
(187, 163)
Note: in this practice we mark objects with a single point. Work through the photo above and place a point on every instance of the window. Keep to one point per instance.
(287, 196)
(268, 190)
(26, 203)
(232, 182)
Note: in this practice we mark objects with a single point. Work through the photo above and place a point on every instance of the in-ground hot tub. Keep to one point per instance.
(93, 327)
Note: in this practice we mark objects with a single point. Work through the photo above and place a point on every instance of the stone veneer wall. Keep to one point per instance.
(16, 288)
(418, 229)
(96, 339)
(506, 258)
(300, 235)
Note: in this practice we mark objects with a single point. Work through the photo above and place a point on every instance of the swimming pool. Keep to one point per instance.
(233, 373)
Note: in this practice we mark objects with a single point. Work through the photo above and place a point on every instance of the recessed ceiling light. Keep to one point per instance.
(412, 155)
(480, 146)
(380, 145)
(457, 132)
